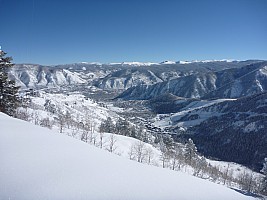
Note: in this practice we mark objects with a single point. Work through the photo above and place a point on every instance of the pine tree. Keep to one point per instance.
(9, 99)
(107, 126)
(122, 127)
(168, 141)
(190, 152)
(133, 132)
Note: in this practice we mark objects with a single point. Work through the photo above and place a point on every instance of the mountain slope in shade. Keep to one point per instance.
(236, 133)
(39, 164)
(227, 129)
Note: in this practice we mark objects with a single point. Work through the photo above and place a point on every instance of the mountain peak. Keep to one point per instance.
(168, 62)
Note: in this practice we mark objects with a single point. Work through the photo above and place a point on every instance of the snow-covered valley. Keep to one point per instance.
(89, 103)
(79, 111)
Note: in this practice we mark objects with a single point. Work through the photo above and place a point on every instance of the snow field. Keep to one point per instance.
(39, 164)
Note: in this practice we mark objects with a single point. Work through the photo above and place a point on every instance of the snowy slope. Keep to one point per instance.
(184, 118)
(80, 107)
(37, 76)
(126, 78)
(40, 164)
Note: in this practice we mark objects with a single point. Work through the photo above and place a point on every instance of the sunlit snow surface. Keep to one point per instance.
(37, 163)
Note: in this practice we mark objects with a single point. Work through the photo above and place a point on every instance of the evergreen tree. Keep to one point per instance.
(107, 126)
(168, 141)
(9, 99)
(133, 132)
(190, 152)
(122, 127)
(200, 166)
(165, 153)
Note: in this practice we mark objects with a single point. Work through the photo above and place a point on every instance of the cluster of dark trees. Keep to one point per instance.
(9, 99)
(123, 127)
(219, 137)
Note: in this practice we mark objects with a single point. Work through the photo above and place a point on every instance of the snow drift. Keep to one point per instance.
(37, 163)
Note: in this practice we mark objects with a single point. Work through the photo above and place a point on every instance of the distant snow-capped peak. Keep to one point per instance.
(134, 63)
(91, 63)
(168, 62)
(205, 61)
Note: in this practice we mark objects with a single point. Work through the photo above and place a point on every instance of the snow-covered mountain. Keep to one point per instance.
(112, 76)
(168, 62)
(48, 165)
(134, 63)
(127, 78)
(228, 83)
(206, 61)
(37, 76)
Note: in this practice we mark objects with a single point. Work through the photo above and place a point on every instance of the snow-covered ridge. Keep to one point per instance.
(31, 75)
(70, 169)
(91, 63)
(168, 62)
(207, 61)
(134, 63)
(36, 76)
(227, 83)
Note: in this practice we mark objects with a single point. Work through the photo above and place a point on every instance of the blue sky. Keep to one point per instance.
(62, 31)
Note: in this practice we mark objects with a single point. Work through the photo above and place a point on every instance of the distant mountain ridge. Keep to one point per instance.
(112, 76)
(227, 83)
